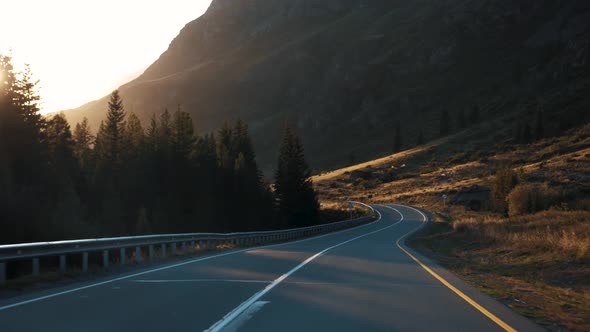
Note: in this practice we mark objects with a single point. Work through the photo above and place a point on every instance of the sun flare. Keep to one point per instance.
(77, 56)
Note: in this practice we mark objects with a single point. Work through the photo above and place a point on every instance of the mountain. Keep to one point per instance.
(346, 72)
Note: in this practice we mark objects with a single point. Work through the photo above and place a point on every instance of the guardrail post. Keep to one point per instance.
(151, 251)
(184, 248)
(200, 245)
(192, 250)
(35, 267)
(163, 250)
(105, 259)
(2, 273)
(208, 246)
(62, 264)
(123, 256)
(85, 262)
(173, 249)
(138, 256)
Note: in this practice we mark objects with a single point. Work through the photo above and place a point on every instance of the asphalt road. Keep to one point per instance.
(354, 280)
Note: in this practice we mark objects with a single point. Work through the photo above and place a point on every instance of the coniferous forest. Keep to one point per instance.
(59, 182)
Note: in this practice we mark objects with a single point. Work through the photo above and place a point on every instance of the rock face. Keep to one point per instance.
(344, 72)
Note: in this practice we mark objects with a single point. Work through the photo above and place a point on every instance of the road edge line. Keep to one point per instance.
(401, 244)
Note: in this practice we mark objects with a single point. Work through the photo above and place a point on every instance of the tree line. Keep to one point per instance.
(58, 183)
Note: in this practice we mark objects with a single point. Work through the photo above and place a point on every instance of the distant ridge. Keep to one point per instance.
(345, 72)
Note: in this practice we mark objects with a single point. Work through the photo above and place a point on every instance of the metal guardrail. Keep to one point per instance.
(145, 247)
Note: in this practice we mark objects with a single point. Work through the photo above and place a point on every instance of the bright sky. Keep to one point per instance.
(81, 50)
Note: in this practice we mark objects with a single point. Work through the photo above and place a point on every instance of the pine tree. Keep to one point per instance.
(445, 124)
(83, 142)
(243, 145)
(164, 135)
(135, 136)
(183, 134)
(152, 133)
(111, 135)
(225, 147)
(296, 199)
(61, 146)
(109, 178)
(27, 189)
(27, 98)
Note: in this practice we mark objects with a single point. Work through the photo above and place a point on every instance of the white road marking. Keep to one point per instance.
(232, 315)
(205, 280)
(245, 316)
(45, 297)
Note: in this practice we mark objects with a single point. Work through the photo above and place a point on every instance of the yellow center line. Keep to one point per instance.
(462, 295)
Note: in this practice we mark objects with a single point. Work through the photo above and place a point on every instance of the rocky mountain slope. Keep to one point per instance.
(345, 72)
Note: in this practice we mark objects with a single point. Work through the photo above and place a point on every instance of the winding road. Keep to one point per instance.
(360, 279)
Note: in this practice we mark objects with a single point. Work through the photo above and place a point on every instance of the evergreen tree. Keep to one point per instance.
(27, 98)
(111, 136)
(66, 212)
(295, 197)
(243, 145)
(134, 178)
(252, 194)
(152, 133)
(183, 134)
(164, 136)
(445, 124)
(109, 177)
(25, 169)
(167, 179)
(134, 134)
(225, 147)
(83, 141)
(61, 146)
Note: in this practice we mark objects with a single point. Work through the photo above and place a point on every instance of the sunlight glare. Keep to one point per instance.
(81, 50)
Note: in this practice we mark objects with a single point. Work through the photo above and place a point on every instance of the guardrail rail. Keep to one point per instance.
(146, 247)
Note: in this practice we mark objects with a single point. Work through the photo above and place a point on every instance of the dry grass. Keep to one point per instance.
(373, 163)
(565, 235)
(538, 265)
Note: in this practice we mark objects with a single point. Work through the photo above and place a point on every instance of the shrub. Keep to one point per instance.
(530, 198)
(505, 180)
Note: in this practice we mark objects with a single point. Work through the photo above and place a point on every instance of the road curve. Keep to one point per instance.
(353, 280)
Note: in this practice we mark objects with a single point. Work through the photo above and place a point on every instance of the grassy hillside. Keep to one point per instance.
(537, 263)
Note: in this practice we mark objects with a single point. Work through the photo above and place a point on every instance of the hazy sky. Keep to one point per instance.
(81, 49)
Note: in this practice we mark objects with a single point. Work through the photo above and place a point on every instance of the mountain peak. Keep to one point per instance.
(345, 72)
